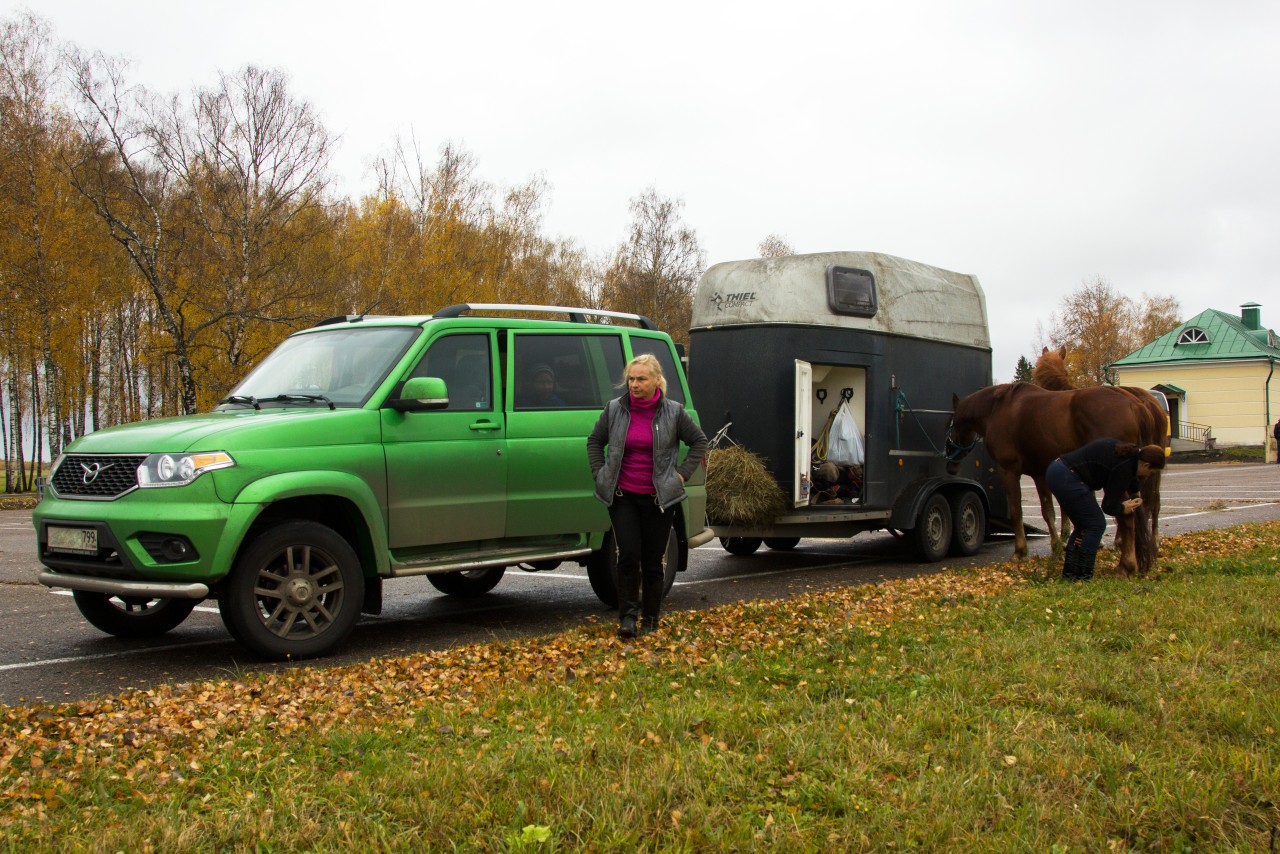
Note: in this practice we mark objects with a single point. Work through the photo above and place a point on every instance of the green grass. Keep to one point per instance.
(976, 710)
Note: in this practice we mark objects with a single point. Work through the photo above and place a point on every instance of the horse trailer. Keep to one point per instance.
(778, 344)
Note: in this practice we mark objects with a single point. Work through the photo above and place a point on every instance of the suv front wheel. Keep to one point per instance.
(295, 592)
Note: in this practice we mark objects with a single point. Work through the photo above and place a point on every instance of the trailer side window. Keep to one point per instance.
(851, 291)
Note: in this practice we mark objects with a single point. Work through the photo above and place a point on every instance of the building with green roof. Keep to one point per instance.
(1218, 370)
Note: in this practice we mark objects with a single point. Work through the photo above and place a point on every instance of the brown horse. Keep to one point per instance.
(1050, 373)
(1026, 427)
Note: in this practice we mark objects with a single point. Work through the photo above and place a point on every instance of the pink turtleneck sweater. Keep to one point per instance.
(637, 456)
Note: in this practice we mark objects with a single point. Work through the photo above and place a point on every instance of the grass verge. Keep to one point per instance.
(978, 709)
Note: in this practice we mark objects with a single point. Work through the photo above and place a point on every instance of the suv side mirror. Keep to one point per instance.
(421, 394)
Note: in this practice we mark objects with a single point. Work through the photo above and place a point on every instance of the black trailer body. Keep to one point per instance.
(776, 344)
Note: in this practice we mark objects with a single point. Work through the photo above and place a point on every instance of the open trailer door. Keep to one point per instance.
(803, 427)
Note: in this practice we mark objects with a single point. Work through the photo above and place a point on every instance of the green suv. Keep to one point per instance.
(451, 446)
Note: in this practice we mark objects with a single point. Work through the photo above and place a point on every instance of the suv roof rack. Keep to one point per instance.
(576, 315)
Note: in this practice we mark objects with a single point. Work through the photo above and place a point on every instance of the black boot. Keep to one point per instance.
(628, 602)
(652, 608)
(1070, 563)
(1084, 565)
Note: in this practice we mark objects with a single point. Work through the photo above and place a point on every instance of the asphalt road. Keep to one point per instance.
(48, 653)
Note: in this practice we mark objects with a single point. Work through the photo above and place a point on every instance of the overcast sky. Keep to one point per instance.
(1036, 145)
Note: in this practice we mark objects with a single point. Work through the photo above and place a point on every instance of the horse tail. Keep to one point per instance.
(1144, 543)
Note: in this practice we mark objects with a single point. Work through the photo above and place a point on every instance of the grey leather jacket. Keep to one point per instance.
(671, 425)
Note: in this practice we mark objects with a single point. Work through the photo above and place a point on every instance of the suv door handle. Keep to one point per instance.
(485, 425)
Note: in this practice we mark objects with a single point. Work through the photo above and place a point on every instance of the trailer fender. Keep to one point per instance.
(910, 501)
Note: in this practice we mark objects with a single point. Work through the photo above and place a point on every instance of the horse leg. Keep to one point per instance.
(1151, 503)
(1013, 490)
(1128, 557)
(1047, 512)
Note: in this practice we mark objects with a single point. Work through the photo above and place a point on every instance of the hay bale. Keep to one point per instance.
(740, 489)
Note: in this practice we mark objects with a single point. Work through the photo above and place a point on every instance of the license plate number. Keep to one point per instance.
(77, 540)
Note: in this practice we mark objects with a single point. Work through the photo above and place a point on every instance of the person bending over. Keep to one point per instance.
(1113, 466)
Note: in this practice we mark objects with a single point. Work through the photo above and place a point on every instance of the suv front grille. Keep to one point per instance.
(97, 476)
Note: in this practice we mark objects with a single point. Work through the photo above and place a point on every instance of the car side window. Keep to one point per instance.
(566, 371)
(662, 352)
(464, 362)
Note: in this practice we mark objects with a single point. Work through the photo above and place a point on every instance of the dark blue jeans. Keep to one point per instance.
(1080, 505)
(641, 529)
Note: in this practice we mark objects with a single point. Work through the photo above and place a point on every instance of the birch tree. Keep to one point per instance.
(1099, 325)
(655, 273)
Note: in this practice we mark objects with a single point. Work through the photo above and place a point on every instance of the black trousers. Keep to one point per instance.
(641, 529)
(1081, 507)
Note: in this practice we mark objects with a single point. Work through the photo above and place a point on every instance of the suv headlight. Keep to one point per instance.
(180, 469)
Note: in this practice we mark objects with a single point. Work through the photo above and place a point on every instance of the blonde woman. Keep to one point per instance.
(632, 451)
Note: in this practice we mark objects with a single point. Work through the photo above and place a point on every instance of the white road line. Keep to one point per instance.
(79, 658)
(755, 575)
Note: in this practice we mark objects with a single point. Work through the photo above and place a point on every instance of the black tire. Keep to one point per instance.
(968, 524)
(295, 592)
(782, 544)
(741, 546)
(932, 533)
(602, 567)
(468, 583)
(132, 616)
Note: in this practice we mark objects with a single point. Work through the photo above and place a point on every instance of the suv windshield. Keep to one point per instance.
(339, 367)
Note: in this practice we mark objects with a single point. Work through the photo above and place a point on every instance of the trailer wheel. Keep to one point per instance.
(932, 533)
(741, 546)
(969, 523)
(602, 568)
(782, 544)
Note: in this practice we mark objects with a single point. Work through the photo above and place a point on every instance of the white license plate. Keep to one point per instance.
(78, 540)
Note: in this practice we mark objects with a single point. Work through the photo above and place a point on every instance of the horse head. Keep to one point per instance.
(962, 434)
(1051, 370)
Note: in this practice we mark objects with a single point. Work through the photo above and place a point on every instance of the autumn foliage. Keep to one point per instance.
(153, 249)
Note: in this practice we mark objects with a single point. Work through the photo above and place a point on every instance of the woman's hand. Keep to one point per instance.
(1132, 504)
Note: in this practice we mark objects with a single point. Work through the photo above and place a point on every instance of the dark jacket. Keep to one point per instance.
(671, 425)
(1098, 467)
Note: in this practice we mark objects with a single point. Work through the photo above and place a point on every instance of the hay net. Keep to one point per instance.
(740, 489)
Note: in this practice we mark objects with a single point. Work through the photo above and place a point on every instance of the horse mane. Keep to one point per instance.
(980, 404)
(1050, 371)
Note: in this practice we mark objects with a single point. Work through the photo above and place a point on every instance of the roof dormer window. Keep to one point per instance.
(1193, 335)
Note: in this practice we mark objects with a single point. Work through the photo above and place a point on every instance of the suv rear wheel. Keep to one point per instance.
(466, 583)
(295, 592)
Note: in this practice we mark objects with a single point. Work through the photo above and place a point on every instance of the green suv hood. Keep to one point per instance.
(230, 431)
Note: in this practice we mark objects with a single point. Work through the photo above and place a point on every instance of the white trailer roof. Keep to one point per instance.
(913, 299)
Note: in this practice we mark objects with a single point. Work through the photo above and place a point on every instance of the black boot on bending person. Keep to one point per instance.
(1069, 563)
